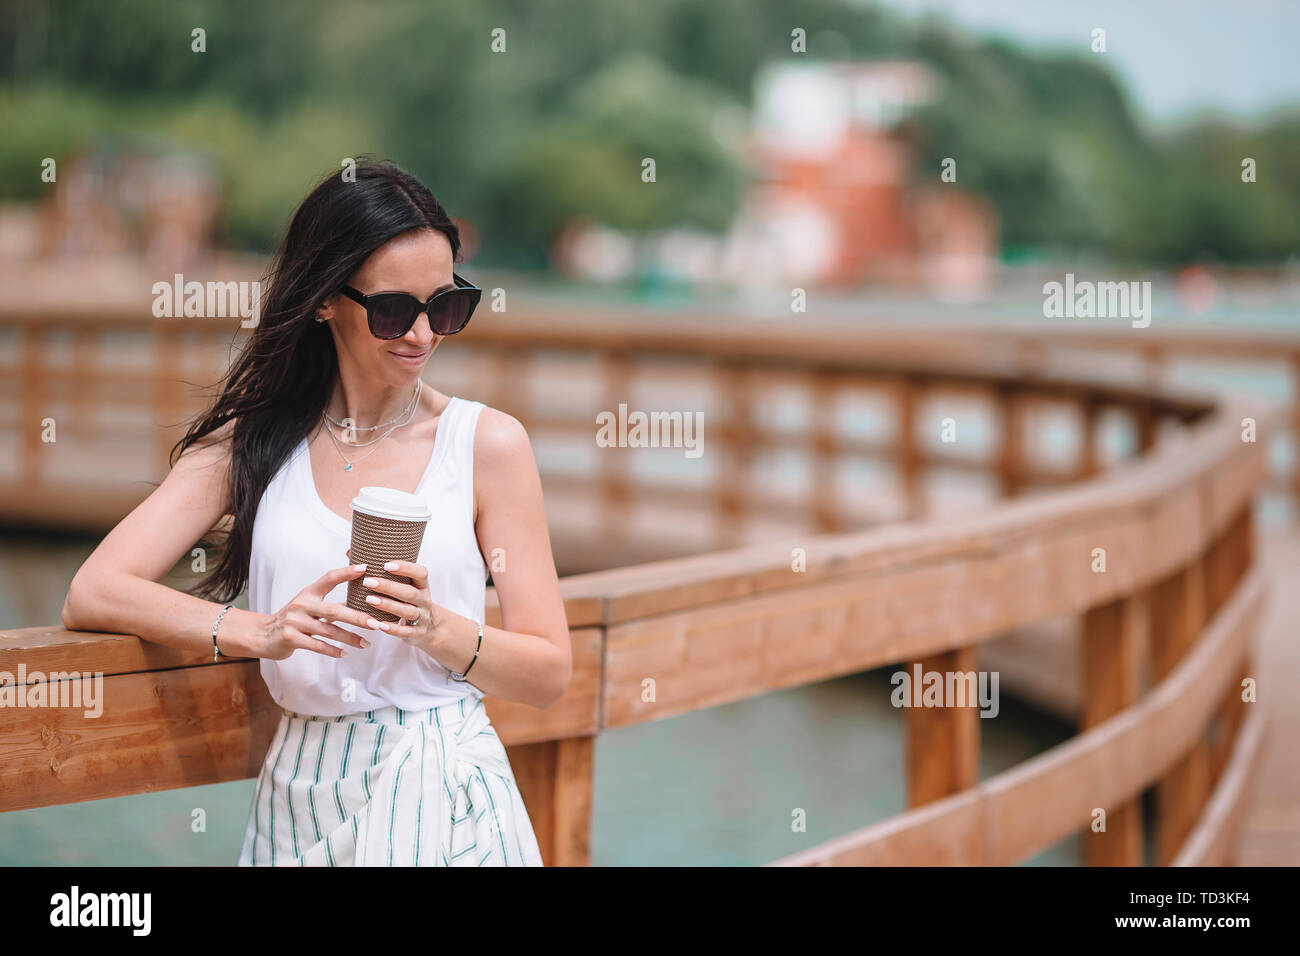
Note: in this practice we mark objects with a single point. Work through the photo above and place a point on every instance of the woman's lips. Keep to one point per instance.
(410, 358)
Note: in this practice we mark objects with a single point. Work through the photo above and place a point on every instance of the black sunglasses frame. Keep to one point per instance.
(463, 287)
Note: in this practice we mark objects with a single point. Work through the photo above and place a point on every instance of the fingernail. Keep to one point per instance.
(371, 599)
(358, 567)
(364, 642)
(390, 566)
(369, 582)
(372, 623)
(383, 626)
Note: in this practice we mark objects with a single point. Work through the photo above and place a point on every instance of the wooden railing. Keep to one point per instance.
(1154, 554)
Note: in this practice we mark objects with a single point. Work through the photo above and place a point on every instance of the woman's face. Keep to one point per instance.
(418, 262)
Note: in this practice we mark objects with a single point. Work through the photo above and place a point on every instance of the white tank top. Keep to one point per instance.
(296, 539)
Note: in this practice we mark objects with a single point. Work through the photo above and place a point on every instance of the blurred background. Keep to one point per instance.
(773, 166)
(794, 145)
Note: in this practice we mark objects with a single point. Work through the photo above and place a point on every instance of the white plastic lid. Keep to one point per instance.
(391, 503)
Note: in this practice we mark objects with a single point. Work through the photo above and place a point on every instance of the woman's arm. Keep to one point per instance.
(529, 658)
(116, 589)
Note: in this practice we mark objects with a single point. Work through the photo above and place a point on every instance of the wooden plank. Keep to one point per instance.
(1145, 423)
(942, 742)
(1226, 563)
(34, 375)
(555, 781)
(1211, 841)
(169, 397)
(731, 486)
(157, 731)
(1176, 612)
(50, 648)
(948, 832)
(753, 642)
(1011, 817)
(1089, 453)
(1010, 465)
(1114, 761)
(824, 450)
(614, 491)
(1111, 650)
(908, 455)
(158, 725)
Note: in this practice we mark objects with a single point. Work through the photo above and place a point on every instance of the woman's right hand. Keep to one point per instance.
(307, 614)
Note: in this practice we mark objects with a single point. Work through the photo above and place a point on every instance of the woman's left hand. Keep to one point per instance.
(411, 602)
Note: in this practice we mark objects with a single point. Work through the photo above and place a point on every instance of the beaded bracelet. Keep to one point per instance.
(216, 654)
(461, 676)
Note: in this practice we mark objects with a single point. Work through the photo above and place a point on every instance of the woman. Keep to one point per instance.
(383, 754)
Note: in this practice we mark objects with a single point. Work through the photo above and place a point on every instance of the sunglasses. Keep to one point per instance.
(391, 314)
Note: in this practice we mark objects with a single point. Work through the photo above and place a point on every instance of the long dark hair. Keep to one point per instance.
(278, 387)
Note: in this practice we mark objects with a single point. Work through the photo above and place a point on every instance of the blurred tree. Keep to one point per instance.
(588, 161)
(557, 125)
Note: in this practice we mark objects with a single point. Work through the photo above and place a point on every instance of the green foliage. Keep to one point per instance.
(588, 162)
(558, 126)
(1053, 142)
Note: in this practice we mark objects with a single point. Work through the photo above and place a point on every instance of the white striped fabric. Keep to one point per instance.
(389, 787)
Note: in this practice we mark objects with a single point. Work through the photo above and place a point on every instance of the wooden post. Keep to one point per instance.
(168, 396)
(615, 498)
(942, 742)
(1089, 454)
(1145, 422)
(555, 780)
(909, 462)
(1176, 612)
(33, 376)
(507, 375)
(1153, 372)
(823, 501)
(1111, 662)
(85, 378)
(731, 491)
(1010, 456)
(1226, 563)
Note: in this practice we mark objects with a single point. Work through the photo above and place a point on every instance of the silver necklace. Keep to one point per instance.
(347, 465)
(373, 428)
(372, 441)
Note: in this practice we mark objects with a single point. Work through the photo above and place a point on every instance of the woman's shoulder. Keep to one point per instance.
(503, 456)
(500, 436)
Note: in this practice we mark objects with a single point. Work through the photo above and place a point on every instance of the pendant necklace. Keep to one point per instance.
(347, 465)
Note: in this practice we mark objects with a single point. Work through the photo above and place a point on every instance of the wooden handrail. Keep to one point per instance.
(710, 628)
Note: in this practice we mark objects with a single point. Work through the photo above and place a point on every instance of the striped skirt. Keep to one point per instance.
(389, 787)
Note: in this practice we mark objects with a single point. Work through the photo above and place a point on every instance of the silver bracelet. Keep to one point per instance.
(216, 654)
(461, 676)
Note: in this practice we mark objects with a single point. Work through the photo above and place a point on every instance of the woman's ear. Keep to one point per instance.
(325, 311)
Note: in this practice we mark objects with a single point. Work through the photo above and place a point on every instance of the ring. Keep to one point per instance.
(416, 619)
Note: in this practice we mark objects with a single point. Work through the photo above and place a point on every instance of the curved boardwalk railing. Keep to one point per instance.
(1153, 554)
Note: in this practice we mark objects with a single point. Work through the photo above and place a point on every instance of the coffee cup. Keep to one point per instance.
(387, 525)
